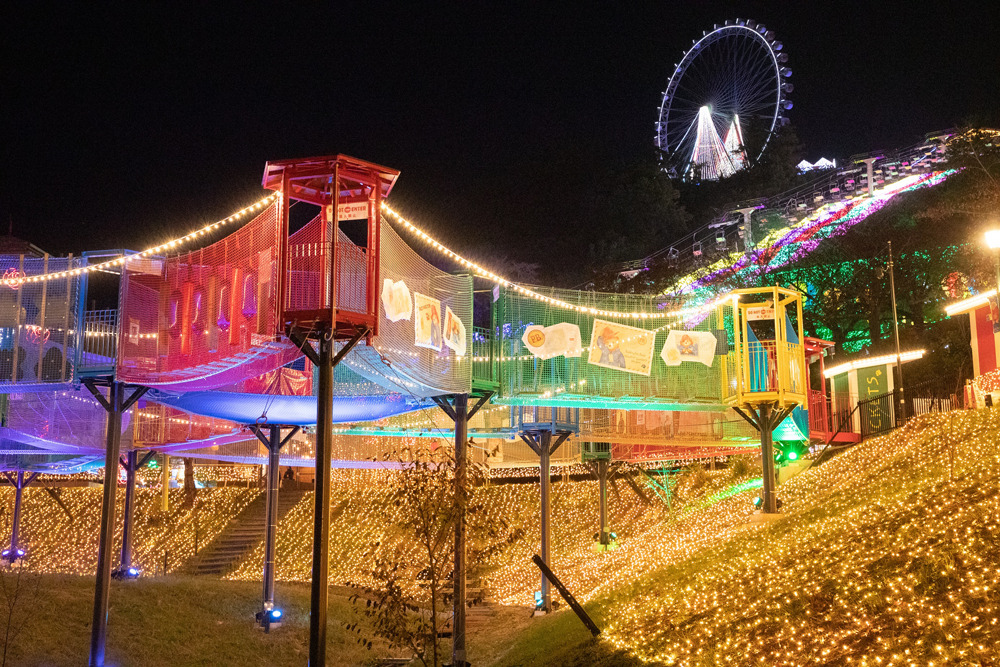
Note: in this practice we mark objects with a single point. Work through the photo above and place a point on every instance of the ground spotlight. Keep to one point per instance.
(126, 573)
(12, 555)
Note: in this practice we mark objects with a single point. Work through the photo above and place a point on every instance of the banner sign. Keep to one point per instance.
(621, 347)
(684, 346)
(558, 340)
(760, 313)
(353, 211)
(396, 300)
(454, 332)
(427, 323)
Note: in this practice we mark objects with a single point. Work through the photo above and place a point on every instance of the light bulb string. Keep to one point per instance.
(521, 289)
(15, 281)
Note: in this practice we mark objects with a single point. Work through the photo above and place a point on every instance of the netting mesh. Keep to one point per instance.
(163, 426)
(38, 321)
(308, 285)
(612, 358)
(207, 318)
(664, 428)
(68, 421)
(415, 355)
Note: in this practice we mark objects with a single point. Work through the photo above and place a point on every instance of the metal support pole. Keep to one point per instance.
(901, 416)
(271, 525)
(461, 408)
(602, 480)
(996, 257)
(767, 458)
(165, 481)
(102, 589)
(747, 214)
(545, 443)
(321, 513)
(130, 466)
(18, 489)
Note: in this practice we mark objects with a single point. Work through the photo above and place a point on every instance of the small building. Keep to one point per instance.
(853, 383)
(984, 334)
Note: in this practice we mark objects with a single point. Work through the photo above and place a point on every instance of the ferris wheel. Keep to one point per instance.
(724, 102)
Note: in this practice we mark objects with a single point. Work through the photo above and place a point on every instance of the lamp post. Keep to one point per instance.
(901, 415)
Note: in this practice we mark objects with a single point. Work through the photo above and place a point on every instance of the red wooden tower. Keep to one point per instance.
(325, 281)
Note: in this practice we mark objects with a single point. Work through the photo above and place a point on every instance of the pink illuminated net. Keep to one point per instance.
(309, 271)
(207, 318)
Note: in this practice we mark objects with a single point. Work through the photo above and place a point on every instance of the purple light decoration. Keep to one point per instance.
(807, 238)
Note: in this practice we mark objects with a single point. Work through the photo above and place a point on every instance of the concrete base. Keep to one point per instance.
(762, 517)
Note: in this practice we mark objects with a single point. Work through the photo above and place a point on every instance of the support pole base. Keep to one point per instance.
(125, 574)
(268, 618)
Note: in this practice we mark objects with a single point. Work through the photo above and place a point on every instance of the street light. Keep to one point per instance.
(901, 416)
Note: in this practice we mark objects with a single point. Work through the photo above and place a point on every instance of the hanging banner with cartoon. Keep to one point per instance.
(454, 332)
(621, 347)
(427, 323)
(684, 346)
(561, 339)
(396, 300)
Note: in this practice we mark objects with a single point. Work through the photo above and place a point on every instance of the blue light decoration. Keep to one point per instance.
(293, 410)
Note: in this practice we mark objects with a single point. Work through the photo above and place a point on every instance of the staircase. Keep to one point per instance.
(241, 535)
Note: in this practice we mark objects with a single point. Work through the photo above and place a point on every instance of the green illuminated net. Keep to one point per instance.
(627, 370)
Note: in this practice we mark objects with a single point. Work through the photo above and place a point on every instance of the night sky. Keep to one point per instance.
(125, 127)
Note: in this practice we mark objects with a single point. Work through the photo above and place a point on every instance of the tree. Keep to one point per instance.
(638, 211)
(412, 578)
(19, 589)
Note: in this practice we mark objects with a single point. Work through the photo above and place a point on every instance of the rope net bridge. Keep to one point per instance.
(644, 377)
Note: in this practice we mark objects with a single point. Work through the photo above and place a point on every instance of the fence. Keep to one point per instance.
(99, 343)
(880, 414)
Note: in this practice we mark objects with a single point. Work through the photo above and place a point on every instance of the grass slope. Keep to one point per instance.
(886, 555)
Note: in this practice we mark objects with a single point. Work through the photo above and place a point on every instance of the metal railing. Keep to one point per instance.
(98, 346)
(308, 286)
(485, 360)
(770, 366)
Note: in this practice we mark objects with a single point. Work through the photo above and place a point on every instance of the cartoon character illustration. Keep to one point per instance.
(454, 335)
(427, 323)
(687, 347)
(435, 328)
(608, 343)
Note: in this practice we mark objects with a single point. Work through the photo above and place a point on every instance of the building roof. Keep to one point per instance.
(11, 245)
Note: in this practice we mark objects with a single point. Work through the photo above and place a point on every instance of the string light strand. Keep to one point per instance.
(525, 291)
(17, 280)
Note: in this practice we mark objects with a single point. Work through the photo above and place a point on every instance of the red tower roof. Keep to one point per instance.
(310, 178)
